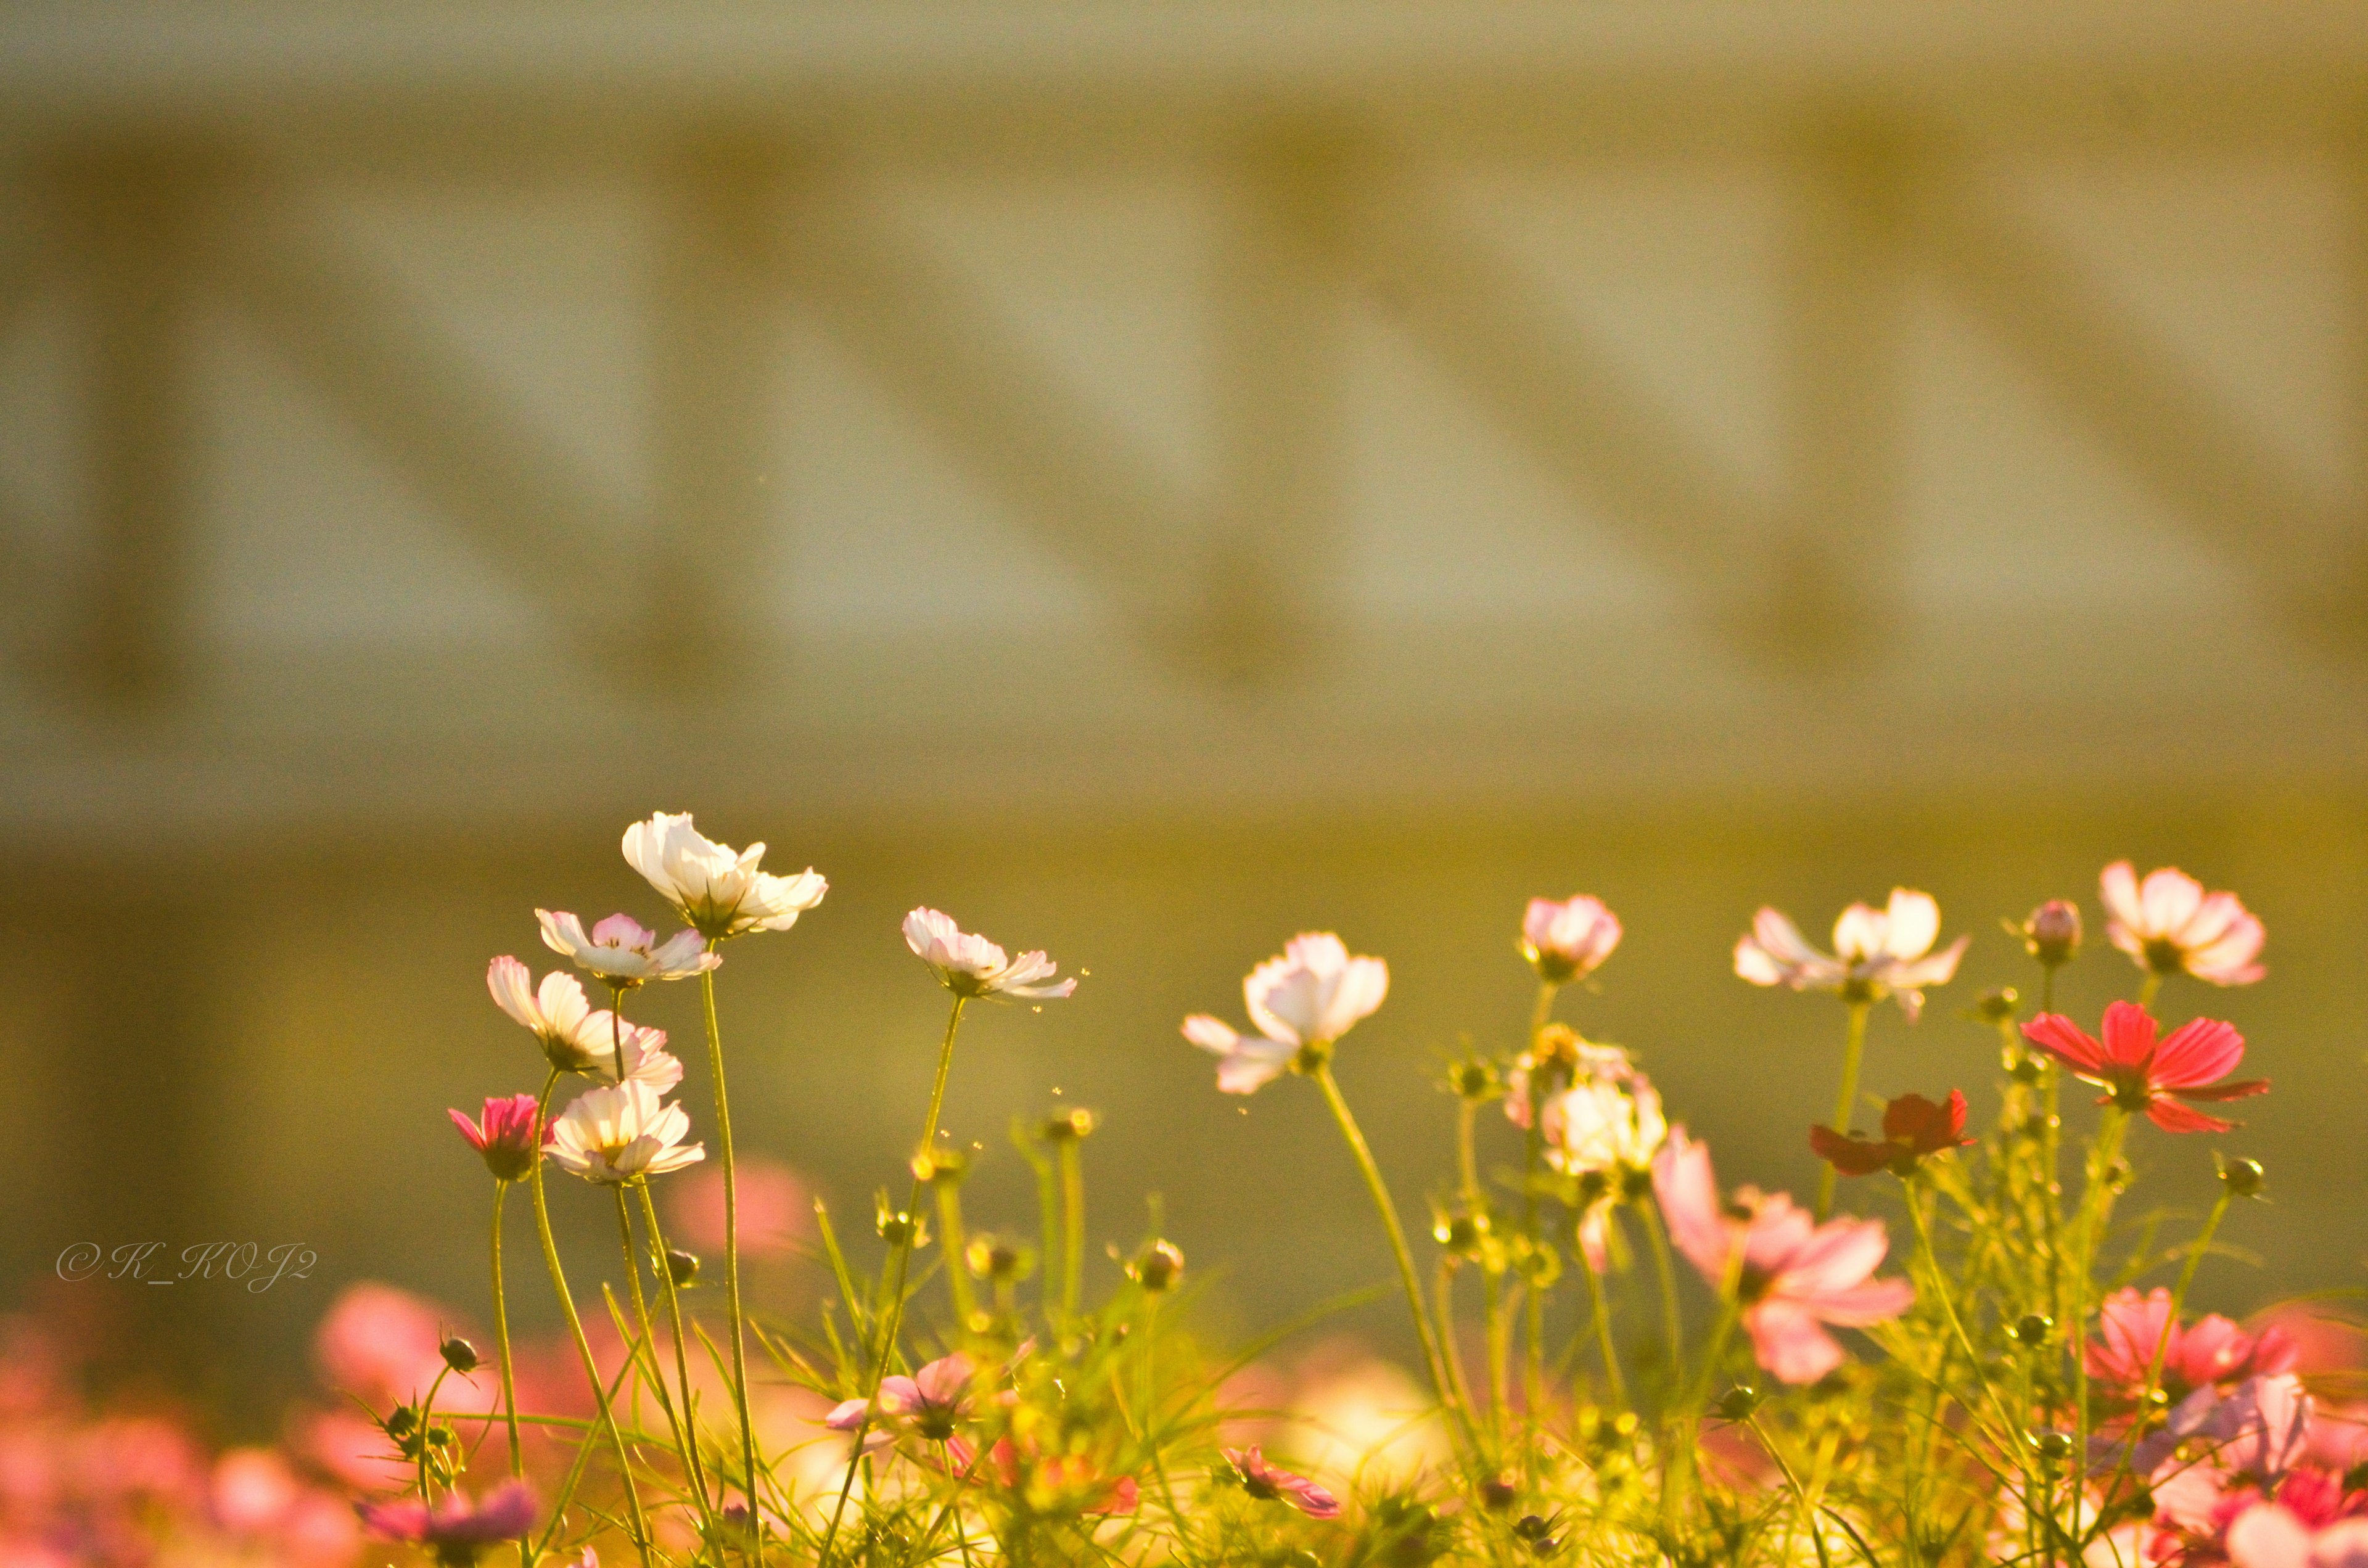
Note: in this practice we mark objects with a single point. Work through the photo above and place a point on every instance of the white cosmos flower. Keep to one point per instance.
(714, 887)
(621, 1131)
(1604, 1125)
(576, 1037)
(972, 966)
(624, 953)
(1877, 952)
(1309, 995)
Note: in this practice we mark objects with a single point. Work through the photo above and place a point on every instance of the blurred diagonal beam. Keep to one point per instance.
(1608, 439)
(1063, 468)
(716, 314)
(418, 401)
(1280, 366)
(2161, 421)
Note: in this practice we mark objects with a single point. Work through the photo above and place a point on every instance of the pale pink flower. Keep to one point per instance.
(1609, 1121)
(1877, 952)
(1792, 1275)
(2168, 925)
(932, 1402)
(1245, 1064)
(1566, 941)
(2268, 1536)
(379, 1343)
(454, 1525)
(2211, 1350)
(970, 965)
(576, 1037)
(1557, 1060)
(623, 951)
(620, 1133)
(1270, 1483)
(717, 889)
(1310, 996)
(253, 1489)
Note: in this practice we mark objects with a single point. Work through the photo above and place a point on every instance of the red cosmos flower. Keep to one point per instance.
(2140, 1074)
(1913, 1128)
(1273, 1484)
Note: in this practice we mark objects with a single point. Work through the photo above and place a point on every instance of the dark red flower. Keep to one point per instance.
(1913, 1128)
(2140, 1073)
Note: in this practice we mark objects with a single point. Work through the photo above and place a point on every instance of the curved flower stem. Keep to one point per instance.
(731, 1259)
(1601, 1312)
(892, 1314)
(1853, 1051)
(1433, 1357)
(640, 1530)
(682, 1438)
(681, 1352)
(1443, 1301)
(1475, 1205)
(1931, 1261)
(1670, 1323)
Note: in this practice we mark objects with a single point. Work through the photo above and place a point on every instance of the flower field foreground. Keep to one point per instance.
(1950, 1353)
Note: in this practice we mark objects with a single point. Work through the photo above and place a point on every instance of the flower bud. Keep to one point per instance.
(947, 1164)
(1474, 1078)
(2052, 934)
(1498, 1492)
(2033, 1331)
(1997, 1004)
(897, 1227)
(459, 1355)
(2052, 1445)
(2243, 1177)
(1460, 1234)
(1557, 1051)
(1530, 1526)
(1157, 1267)
(1071, 1126)
(998, 1258)
(402, 1421)
(682, 1268)
(1737, 1403)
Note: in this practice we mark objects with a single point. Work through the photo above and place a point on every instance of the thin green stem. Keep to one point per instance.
(1853, 1050)
(1534, 1358)
(1443, 1303)
(682, 1441)
(640, 1530)
(681, 1348)
(1073, 1226)
(1601, 1310)
(1433, 1357)
(2096, 1203)
(502, 1337)
(955, 1241)
(1670, 1323)
(894, 1314)
(732, 1258)
(2148, 991)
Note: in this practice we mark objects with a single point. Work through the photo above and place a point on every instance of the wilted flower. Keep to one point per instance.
(933, 1402)
(972, 966)
(1913, 1129)
(1566, 941)
(2140, 1076)
(717, 889)
(1272, 1484)
(621, 1131)
(455, 1529)
(2211, 1350)
(2168, 924)
(623, 951)
(1310, 996)
(1795, 1274)
(505, 1137)
(1877, 952)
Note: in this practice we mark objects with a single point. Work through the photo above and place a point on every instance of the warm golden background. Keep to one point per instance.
(1147, 480)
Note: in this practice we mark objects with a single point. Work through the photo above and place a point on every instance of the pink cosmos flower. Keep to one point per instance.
(623, 951)
(1271, 1483)
(505, 1137)
(717, 889)
(2168, 925)
(1566, 941)
(1913, 1129)
(1056, 1482)
(932, 1402)
(1877, 952)
(2313, 1523)
(1311, 996)
(455, 1528)
(2211, 1350)
(620, 1134)
(969, 965)
(1796, 1275)
(575, 1037)
(2138, 1074)
(776, 1210)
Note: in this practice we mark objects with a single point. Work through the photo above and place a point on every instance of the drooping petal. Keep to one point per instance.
(2172, 1117)
(1876, 1300)
(1687, 1189)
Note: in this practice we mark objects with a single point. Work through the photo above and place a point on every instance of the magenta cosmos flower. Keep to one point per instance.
(1271, 1483)
(1796, 1276)
(505, 1137)
(1310, 996)
(2139, 1074)
(2214, 1351)
(623, 951)
(972, 966)
(575, 1037)
(2168, 925)
(455, 1529)
(1877, 952)
(932, 1402)
(1566, 941)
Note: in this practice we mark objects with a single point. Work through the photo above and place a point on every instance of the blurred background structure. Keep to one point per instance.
(1147, 480)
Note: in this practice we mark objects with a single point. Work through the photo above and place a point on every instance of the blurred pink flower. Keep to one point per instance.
(623, 952)
(253, 1489)
(454, 1522)
(1566, 941)
(1877, 952)
(932, 1402)
(1270, 1483)
(2168, 925)
(716, 889)
(2138, 1074)
(2211, 1350)
(379, 1343)
(1794, 1275)
(775, 1209)
(970, 965)
(505, 1137)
